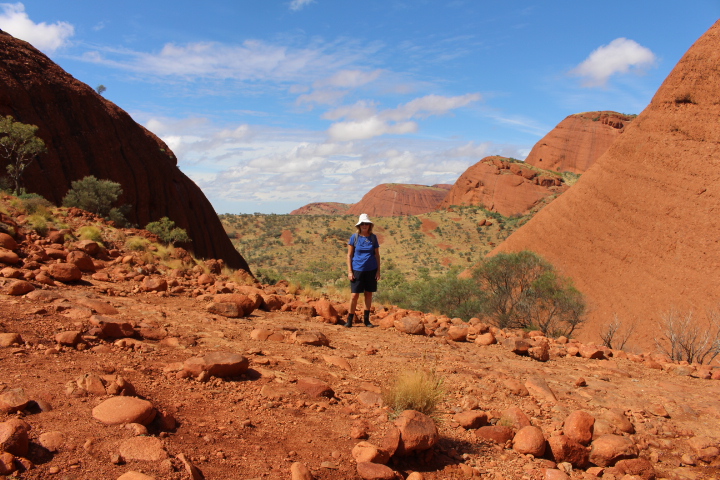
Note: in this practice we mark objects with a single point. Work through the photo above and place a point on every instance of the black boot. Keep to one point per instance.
(351, 317)
(367, 319)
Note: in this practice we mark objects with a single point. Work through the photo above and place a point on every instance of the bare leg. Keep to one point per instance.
(368, 300)
(354, 301)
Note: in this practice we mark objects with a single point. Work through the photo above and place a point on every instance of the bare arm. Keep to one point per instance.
(377, 259)
(351, 252)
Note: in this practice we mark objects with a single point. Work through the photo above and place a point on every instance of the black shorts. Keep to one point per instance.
(364, 281)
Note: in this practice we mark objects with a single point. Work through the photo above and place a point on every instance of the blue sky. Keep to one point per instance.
(270, 105)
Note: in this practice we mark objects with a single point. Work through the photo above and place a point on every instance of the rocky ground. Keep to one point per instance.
(131, 369)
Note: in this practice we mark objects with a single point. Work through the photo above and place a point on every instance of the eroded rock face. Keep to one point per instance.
(576, 142)
(637, 231)
(88, 135)
(391, 199)
(503, 186)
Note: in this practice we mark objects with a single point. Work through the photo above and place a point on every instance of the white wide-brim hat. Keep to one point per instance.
(363, 219)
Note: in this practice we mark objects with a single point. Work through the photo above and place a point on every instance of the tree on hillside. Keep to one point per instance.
(18, 147)
(167, 231)
(98, 197)
(525, 291)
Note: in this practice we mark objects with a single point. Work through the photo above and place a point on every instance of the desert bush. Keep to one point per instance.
(167, 231)
(33, 203)
(420, 390)
(683, 336)
(615, 334)
(137, 244)
(89, 232)
(447, 294)
(98, 197)
(523, 290)
(39, 223)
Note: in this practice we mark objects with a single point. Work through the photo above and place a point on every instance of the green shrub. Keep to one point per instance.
(98, 197)
(33, 203)
(523, 290)
(90, 233)
(167, 231)
(419, 390)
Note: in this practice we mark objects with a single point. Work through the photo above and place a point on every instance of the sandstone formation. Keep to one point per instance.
(639, 233)
(576, 142)
(504, 186)
(392, 199)
(86, 134)
(322, 208)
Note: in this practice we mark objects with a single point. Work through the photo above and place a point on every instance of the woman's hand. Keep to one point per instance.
(351, 276)
(377, 275)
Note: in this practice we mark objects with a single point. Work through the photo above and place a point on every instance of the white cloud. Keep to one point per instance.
(296, 5)
(360, 110)
(250, 61)
(349, 79)
(619, 56)
(430, 105)
(368, 128)
(365, 123)
(45, 37)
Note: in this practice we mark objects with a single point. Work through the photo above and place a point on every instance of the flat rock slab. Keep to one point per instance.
(120, 410)
(217, 364)
(147, 449)
(539, 389)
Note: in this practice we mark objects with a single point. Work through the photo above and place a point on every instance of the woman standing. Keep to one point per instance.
(363, 262)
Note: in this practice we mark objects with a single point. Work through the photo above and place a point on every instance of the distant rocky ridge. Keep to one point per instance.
(323, 208)
(639, 232)
(88, 135)
(576, 142)
(504, 185)
(392, 199)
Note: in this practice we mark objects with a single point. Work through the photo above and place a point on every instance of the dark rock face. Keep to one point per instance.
(88, 135)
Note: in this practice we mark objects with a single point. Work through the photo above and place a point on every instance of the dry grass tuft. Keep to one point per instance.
(420, 390)
(90, 233)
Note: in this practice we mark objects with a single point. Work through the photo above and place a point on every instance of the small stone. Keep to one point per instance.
(608, 449)
(564, 449)
(375, 471)
(579, 427)
(529, 440)
(495, 433)
(471, 419)
(14, 437)
(515, 418)
(417, 432)
(9, 339)
(298, 471)
(53, 441)
(217, 364)
(149, 449)
(132, 475)
(658, 410)
(366, 452)
(315, 387)
(119, 410)
(18, 287)
(13, 400)
(65, 272)
(69, 338)
(7, 463)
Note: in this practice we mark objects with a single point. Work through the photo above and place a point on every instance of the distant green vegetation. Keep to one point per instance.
(311, 250)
